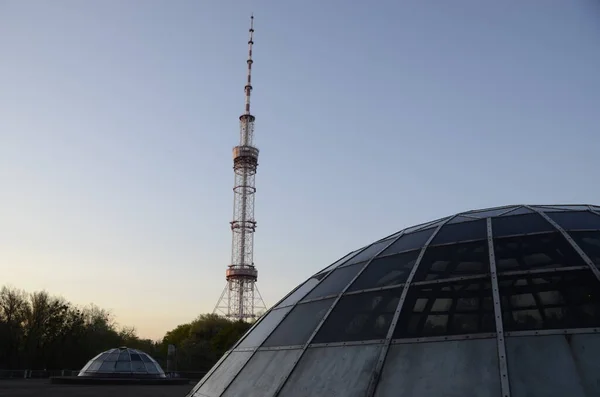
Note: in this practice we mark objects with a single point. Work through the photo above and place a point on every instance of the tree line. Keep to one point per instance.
(41, 331)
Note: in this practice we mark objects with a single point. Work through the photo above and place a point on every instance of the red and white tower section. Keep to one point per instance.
(240, 299)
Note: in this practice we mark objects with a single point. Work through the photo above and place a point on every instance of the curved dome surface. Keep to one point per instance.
(501, 302)
(122, 363)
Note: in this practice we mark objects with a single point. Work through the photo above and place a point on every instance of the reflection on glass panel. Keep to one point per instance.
(107, 366)
(447, 309)
(299, 293)
(123, 366)
(466, 368)
(264, 328)
(124, 356)
(369, 252)
(589, 242)
(113, 356)
(358, 317)
(336, 282)
(459, 260)
(227, 369)
(460, 219)
(489, 213)
(336, 371)
(337, 263)
(135, 357)
(466, 231)
(138, 366)
(553, 300)
(520, 224)
(151, 368)
(263, 373)
(519, 211)
(541, 251)
(95, 366)
(576, 220)
(389, 270)
(409, 242)
(393, 236)
(299, 325)
(145, 358)
(421, 226)
(102, 356)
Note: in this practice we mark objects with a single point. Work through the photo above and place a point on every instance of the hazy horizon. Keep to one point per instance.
(117, 121)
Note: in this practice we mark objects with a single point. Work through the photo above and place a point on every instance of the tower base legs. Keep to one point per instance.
(240, 300)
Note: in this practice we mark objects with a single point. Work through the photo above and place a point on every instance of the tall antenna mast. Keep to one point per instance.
(240, 299)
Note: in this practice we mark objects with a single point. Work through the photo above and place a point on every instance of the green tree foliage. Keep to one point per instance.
(40, 331)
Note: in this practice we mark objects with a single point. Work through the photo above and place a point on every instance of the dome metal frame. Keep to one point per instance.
(438, 235)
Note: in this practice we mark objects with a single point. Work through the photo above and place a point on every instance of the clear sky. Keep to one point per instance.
(117, 120)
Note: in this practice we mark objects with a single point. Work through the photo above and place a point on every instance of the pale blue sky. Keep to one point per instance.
(117, 120)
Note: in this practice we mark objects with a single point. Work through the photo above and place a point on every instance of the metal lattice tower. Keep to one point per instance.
(240, 299)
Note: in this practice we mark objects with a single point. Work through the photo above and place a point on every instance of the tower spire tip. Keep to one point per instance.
(248, 87)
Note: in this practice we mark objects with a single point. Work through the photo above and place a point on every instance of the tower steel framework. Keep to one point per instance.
(240, 299)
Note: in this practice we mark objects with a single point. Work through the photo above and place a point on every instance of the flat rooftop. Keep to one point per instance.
(42, 387)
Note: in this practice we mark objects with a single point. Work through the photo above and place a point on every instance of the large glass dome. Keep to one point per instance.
(502, 302)
(122, 363)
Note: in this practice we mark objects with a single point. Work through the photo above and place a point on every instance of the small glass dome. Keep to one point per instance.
(122, 363)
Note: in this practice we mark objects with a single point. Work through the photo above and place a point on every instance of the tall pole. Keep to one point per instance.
(238, 300)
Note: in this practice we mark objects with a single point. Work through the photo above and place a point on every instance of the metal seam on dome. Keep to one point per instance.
(558, 331)
(572, 242)
(348, 343)
(429, 339)
(542, 270)
(518, 207)
(478, 211)
(451, 279)
(274, 348)
(289, 311)
(399, 253)
(548, 332)
(508, 211)
(373, 289)
(429, 225)
(593, 210)
(318, 298)
(318, 327)
(374, 381)
(500, 345)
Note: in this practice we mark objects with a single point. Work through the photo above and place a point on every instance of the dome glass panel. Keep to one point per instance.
(465, 231)
(518, 211)
(576, 220)
(409, 242)
(590, 243)
(386, 271)
(336, 282)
